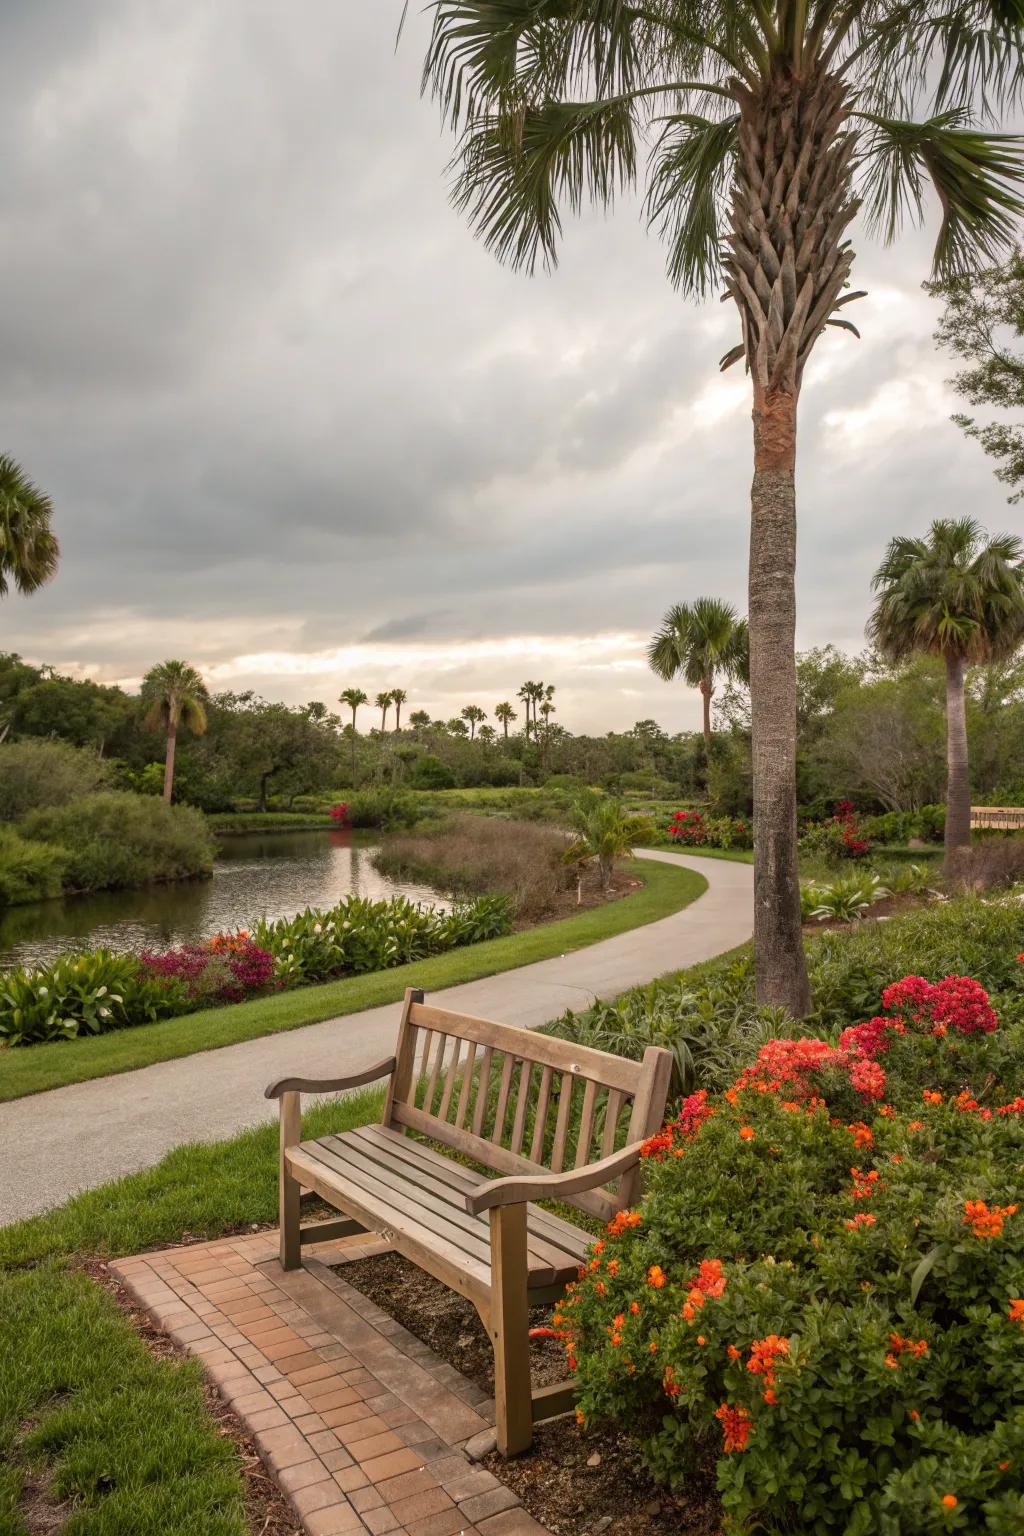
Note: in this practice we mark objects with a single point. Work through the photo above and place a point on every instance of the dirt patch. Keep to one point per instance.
(576, 1482)
(42, 1512)
(267, 1512)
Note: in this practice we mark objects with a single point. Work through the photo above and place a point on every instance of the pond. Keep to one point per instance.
(274, 874)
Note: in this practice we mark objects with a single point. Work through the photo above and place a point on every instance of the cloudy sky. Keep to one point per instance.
(301, 428)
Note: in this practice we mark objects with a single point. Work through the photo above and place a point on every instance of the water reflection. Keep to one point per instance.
(273, 874)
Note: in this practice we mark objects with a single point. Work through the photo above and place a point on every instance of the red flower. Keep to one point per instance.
(735, 1424)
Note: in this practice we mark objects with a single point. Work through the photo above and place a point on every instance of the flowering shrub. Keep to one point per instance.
(692, 829)
(838, 837)
(339, 813)
(228, 969)
(845, 1341)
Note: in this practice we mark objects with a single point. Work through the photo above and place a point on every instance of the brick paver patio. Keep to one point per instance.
(361, 1423)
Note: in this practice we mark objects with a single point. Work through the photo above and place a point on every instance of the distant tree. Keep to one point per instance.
(506, 714)
(316, 710)
(29, 551)
(957, 595)
(547, 709)
(701, 642)
(983, 320)
(603, 832)
(486, 734)
(398, 698)
(419, 720)
(175, 695)
(354, 698)
(473, 714)
(456, 727)
(383, 703)
(531, 695)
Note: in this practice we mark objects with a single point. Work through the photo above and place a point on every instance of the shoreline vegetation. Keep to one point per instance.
(664, 889)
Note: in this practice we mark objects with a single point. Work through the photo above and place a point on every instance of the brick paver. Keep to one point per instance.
(360, 1423)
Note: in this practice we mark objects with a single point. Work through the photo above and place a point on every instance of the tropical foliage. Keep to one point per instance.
(700, 642)
(958, 596)
(604, 831)
(762, 129)
(29, 550)
(175, 696)
(113, 839)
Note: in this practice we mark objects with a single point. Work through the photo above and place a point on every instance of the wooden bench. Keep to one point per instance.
(543, 1112)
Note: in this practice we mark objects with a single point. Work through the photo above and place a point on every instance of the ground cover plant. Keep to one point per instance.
(846, 1341)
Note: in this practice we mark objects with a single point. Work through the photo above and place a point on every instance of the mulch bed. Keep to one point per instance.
(573, 1481)
(566, 904)
(267, 1511)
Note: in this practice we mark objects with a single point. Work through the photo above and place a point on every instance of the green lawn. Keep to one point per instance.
(33, 1069)
(86, 1412)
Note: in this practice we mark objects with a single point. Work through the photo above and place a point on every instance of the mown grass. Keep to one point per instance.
(666, 888)
(87, 1414)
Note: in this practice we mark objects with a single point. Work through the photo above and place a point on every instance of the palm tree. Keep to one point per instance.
(383, 703)
(486, 734)
(701, 642)
(958, 596)
(761, 126)
(175, 695)
(419, 720)
(353, 697)
(547, 709)
(29, 550)
(398, 698)
(604, 832)
(506, 714)
(473, 714)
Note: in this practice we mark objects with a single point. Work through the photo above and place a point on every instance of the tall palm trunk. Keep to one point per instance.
(958, 782)
(353, 748)
(706, 690)
(786, 266)
(172, 738)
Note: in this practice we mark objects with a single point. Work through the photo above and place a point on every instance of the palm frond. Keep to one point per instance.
(512, 172)
(976, 176)
(691, 169)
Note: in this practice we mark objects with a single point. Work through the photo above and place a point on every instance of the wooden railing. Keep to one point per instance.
(998, 818)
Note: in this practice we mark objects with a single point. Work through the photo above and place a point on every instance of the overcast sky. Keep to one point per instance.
(299, 427)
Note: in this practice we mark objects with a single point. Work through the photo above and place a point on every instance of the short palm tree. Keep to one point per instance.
(761, 126)
(353, 697)
(473, 714)
(383, 703)
(505, 714)
(701, 642)
(419, 720)
(29, 550)
(175, 696)
(604, 832)
(959, 596)
(398, 698)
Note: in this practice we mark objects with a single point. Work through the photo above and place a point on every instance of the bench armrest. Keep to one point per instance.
(551, 1186)
(330, 1084)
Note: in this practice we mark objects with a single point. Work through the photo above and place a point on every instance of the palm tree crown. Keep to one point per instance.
(29, 550)
(175, 695)
(700, 642)
(506, 714)
(959, 596)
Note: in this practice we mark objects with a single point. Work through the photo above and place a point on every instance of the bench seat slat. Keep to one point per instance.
(550, 1242)
(562, 1234)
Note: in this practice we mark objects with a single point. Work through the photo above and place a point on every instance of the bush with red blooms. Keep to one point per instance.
(228, 969)
(823, 1289)
(339, 813)
(839, 836)
(692, 829)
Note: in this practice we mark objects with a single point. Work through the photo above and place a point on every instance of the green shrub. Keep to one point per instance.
(383, 807)
(362, 935)
(80, 994)
(37, 774)
(117, 839)
(431, 773)
(29, 871)
(828, 1307)
(843, 900)
(928, 825)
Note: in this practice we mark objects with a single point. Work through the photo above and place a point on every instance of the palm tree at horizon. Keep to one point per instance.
(176, 696)
(506, 714)
(353, 697)
(398, 698)
(473, 714)
(383, 703)
(29, 549)
(700, 642)
(761, 126)
(956, 595)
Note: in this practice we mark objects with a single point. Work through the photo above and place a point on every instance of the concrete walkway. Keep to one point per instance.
(54, 1144)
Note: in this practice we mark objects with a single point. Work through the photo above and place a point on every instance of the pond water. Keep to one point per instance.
(273, 874)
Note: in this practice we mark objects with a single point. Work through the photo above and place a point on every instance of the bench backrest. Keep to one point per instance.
(517, 1101)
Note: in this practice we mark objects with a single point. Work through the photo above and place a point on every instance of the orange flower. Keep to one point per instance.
(862, 1219)
(892, 1362)
(913, 1415)
(669, 1383)
(901, 1346)
(763, 1355)
(930, 1097)
(735, 1424)
(769, 1397)
(701, 1339)
(985, 1221)
(652, 1347)
(1004, 1466)
(579, 1417)
(915, 1125)
(613, 1267)
(862, 1134)
(1017, 1310)
(733, 1352)
(656, 1276)
(746, 1133)
(949, 1501)
(623, 1220)
(598, 1247)
(634, 1307)
(599, 1287)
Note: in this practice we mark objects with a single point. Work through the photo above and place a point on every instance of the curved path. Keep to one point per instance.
(56, 1143)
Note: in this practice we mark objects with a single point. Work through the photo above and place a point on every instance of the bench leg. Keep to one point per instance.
(509, 1328)
(289, 1189)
